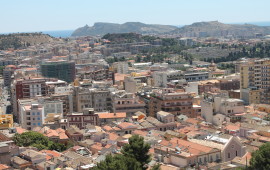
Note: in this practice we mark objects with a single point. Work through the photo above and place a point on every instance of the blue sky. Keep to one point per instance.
(43, 15)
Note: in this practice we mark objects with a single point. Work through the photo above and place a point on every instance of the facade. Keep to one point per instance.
(196, 76)
(67, 101)
(61, 69)
(169, 100)
(81, 120)
(25, 89)
(165, 117)
(98, 99)
(127, 102)
(31, 116)
(218, 105)
(161, 78)
(121, 67)
(6, 121)
(8, 74)
(130, 84)
(254, 77)
(182, 153)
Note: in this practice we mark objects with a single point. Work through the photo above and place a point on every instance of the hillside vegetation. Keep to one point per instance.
(217, 29)
(21, 40)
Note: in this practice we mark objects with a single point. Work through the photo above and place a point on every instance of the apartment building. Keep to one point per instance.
(98, 99)
(216, 107)
(127, 102)
(255, 81)
(196, 76)
(182, 153)
(25, 89)
(173, 101)
(81, 120)
(61, 69)
(67, 101)
(31, 115)
(161, 78)
(121, 67)
(8, 74)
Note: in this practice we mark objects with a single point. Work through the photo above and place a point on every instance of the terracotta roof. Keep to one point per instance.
(111, 115)
(113, 136)
(120, 77)
(3, 166)
(20, 130)
(192, 121)
(97, 146)
(140, 132)
(232, 127)
(3, 137)
(107, 128)
(50, 154)
(126, 125)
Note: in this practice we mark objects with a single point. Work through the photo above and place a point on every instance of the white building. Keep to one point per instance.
(218, 109)
(31, 115)
(122, 67)
(161, 78)
(165, 117)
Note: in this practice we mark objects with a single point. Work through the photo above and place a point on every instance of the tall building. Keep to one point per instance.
(61, 69)
(169, 100)
(7, 74)
(161, 78)
(255, 81)
(26, 89)
(31, 116)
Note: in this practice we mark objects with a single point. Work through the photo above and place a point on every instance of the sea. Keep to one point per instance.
(59, 33)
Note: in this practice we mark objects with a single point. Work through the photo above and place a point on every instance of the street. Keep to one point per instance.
(4, 103)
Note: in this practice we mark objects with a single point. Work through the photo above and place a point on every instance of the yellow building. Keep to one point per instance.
(255, 82)
(264, 108)
(6, 121)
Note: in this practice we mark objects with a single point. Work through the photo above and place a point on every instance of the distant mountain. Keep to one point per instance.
(217, 29)
(136, 27)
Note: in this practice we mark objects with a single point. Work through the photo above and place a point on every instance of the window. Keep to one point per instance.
(39, 124)
(38, 118)
(34, 124)
(38, 113)
(33, 113)
(229, 155)
(235, 153)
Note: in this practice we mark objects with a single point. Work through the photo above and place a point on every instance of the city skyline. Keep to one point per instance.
(27, 16)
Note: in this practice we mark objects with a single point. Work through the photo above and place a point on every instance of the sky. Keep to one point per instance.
(46, 15)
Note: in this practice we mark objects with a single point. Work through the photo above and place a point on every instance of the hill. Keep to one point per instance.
(217, 29)
(136, 27)
(20, 40)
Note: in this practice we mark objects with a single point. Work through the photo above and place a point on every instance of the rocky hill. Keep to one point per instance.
(136, 27)
(20, 40)
(217, 29)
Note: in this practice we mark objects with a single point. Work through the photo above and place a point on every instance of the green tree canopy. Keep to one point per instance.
(37, 140)
(134, 157)
(260, 159)
(137, 149)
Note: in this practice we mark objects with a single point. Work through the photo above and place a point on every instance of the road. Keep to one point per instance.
(4, 97)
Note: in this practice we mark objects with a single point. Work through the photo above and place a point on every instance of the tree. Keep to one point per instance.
(134, 157)
(118, 162)
(261, 158)
(156, 167)
(37, 140)
(138, 150)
